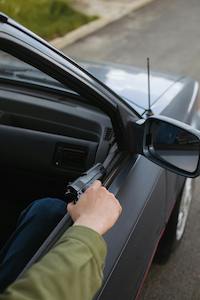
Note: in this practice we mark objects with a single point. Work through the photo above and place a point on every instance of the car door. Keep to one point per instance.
(140, 187)
(138, 183)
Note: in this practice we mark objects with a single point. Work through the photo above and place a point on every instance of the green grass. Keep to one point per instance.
(47, 18)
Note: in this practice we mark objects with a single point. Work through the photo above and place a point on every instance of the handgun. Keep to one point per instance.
(77, 188)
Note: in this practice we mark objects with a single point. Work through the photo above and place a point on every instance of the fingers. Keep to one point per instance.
(96, 185)
(119, 208)
(93, 187)
(118, 205)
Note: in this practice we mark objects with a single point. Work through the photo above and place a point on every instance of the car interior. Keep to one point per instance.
(48, 138)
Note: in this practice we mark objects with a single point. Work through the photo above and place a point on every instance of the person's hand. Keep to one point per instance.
(97, 209)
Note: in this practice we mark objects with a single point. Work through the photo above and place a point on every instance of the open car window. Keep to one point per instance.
(14, 69)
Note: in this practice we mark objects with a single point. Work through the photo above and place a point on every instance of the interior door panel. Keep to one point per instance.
(45, 153)
(51, 137)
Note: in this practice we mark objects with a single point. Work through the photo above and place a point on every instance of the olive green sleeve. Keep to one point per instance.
(72, 270)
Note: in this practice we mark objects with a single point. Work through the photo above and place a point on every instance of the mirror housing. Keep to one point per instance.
(170, 144)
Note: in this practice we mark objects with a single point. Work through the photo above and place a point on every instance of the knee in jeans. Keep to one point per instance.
(48, 208)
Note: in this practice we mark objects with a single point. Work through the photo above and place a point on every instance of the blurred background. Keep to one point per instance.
(127, 32)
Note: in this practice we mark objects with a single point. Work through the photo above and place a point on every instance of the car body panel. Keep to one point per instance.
(131, 83)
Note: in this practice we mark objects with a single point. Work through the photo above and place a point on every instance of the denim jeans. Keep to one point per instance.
(34, 225)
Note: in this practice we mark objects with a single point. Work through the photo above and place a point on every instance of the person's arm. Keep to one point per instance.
(73, 269)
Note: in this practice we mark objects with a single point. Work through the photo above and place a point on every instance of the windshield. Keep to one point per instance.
(12, 68)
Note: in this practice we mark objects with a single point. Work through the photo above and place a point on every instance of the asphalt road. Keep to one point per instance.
(169, 33)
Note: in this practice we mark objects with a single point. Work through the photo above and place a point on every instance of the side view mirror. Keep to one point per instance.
(172, 145)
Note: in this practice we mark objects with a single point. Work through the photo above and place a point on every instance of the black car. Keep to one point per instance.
(58, 119)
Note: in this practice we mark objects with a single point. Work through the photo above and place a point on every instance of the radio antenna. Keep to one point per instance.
(149, 111)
